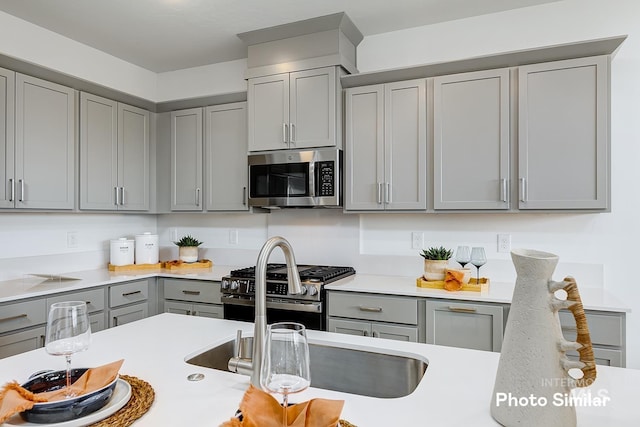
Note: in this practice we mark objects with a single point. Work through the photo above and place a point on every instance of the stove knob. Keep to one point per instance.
(312, 290)
(225, 284)
(234, 285)
(303, 289)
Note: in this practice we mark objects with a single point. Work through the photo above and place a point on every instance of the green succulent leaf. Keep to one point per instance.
(434, 253)
(188, 240)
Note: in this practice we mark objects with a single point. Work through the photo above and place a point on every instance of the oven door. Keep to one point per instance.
(309, 313)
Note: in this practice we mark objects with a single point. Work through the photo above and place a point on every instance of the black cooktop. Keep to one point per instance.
(318, 273)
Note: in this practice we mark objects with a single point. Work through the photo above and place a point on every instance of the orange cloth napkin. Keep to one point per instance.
(14, 398)
(453, 280)
(260, 409)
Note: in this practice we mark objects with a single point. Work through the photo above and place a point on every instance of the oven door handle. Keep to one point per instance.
(311, 307)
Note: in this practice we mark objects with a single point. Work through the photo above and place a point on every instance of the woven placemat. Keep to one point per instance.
(142, 396)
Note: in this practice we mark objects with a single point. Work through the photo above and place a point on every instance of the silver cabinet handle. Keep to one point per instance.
(121, 196)
(191, 292)
(503, 190)
(371, 309)
(127, 294)
(387, 192)
(284, 133)
(19, 316)
(13, 190)
(375, 334)
(379, 193)
(21, 181)
(365, 333)
(293, 132)
(198, 196)
(462, 309)
(115, 194)
(244, 196)
(523, 190)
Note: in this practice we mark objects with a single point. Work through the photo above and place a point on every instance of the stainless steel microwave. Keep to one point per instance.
(296, 178)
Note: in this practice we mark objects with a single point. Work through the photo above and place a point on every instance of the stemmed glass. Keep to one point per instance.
(68, 332)
(478, 258)
(463, 255)
(285, 367)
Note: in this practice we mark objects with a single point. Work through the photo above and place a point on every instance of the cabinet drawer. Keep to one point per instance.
(94, 299)
(605, 329)
(128, 293)
(22, 315)
(192, 290)
(373, 307)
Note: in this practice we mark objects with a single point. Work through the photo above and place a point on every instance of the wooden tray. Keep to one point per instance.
(472, 286)
(181, 265)
(134, 267)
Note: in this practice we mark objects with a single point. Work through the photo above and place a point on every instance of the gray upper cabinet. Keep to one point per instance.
(386, 160)
(226, 157)
(471, 140)
(186, 160)
(114, 155)
(563, 136)
(7, 138)
(294, 110)
(44, 144)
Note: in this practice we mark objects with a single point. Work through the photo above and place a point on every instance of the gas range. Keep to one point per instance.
(241, 282)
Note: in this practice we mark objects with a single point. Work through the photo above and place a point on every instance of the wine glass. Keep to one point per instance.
(463, 255)
(285, 366)
(478, 258)
(68, 332)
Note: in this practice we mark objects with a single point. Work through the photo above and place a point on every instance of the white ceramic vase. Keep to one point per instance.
(188, 253)
(533, 369)
(434, 269)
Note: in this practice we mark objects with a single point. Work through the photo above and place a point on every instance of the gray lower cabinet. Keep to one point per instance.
(95, 300)
(380, 316)
(128, 302)
(563, 134)
(464, 324)
(7, 138)
(186, 160)
(192, 297)
(471, 128)
(22, 326)
(386, 147)
(608, 336)
(226, 157)
(114, 155)
(19, 342)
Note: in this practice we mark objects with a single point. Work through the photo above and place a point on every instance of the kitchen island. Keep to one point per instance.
(455, 391)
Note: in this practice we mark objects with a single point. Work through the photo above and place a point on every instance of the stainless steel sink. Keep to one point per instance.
(367, 373)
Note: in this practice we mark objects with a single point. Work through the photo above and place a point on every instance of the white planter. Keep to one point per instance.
(434, 269)
(188, 253)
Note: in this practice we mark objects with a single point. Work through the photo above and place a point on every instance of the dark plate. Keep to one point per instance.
(68, 409)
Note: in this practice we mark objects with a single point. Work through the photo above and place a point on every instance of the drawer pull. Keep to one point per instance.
(371, 309)
(462, 309)
(191, 292)
(128, 294)
(19, 316)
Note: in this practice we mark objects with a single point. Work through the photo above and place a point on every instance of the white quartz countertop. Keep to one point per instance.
(455, 391)
(31, 286)
(592, 298)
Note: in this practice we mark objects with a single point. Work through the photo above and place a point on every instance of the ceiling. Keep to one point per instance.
(166, 35)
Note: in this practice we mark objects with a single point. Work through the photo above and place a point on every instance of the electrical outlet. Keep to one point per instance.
(417, 240)
(233, 236)
(173, 234)
(72, 239)
(504, 243)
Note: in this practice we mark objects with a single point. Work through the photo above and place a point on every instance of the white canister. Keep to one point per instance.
(147, 251)
(122, 251)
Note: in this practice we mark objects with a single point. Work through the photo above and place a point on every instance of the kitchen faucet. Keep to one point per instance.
(260, 322)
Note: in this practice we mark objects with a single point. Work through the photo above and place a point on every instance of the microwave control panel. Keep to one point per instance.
(325, 184)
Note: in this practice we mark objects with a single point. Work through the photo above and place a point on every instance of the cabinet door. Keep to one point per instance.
(208, 310)
(393, 332)
(405, 153)
(98, 152)
(177, 307)
(466, 325)
(268, 112)
(96, 320)
(186, 160)
(122, 316)
(349, 327)
(45, 149)
(133, 158)
(226, 157)
(312, 112)
(364, 148)
(471, 140)
(7, 138)
(563, 134)
(21, 342)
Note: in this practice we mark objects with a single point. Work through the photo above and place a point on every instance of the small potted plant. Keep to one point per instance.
(435, 262)
(188, 248)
